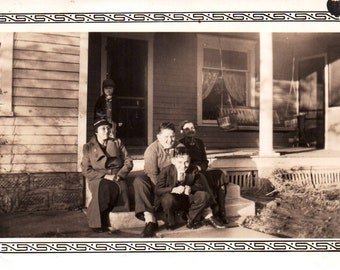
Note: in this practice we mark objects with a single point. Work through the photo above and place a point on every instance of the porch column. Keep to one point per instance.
(82, 107)
(266, 95)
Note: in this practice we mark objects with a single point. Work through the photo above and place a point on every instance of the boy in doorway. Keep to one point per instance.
(107, 106)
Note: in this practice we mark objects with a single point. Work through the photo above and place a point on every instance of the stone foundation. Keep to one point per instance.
(40, 191)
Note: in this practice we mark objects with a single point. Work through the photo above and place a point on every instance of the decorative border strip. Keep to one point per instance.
(164, 246)
(168, 17)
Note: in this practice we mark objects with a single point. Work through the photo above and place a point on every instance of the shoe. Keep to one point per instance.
(170, 227)
(112, 230)
(193, 225)
(212, 221)
(99, 230)
(149, 229)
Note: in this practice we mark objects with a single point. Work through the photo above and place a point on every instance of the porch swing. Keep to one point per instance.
(231, 118)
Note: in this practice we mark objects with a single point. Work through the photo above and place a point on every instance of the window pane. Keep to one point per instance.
(216, 90)
(230, 59)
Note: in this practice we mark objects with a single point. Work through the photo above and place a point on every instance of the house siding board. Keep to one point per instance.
(40, 56)
(42, 135)
(47, 83)
(43, 65)
(43, 92)
(38, 149)
(45, 75)
(174, 78)
(46, 102)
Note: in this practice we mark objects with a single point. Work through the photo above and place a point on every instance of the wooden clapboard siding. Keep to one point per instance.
(46, 102)
(174, 78)
(43, 92)
(38, 149)
(40, 111)
(46, 47)
(40, 56)
(54, 38)
(44, 121)
(43, 65)
(54, 84)
(41, 139)
(36, 167)
(33, 158)
(43, 134)
(45, 158)
(45, 75)
(37, 130)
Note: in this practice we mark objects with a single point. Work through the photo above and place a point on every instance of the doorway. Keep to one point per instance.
(311, 74)
(127, 66)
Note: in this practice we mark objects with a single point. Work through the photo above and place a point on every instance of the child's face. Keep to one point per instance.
(108, 90)
(181, 163)
(189, 129)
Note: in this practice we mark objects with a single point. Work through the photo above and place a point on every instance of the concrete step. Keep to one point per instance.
(124, 220)
(237, 209)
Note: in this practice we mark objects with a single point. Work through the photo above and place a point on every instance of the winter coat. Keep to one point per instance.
(100, 110)
(96, 164)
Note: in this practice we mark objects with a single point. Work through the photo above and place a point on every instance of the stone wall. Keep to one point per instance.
(40, 191)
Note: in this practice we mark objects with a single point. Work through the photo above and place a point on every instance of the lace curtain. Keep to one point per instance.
(235, 83)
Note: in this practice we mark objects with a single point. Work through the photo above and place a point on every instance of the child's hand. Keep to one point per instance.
(187, 190)
(178, 190)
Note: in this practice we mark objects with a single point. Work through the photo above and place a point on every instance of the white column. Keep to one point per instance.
(266, 95)
(82, 107)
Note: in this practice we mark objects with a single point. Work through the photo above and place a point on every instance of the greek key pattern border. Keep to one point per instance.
(167, 17)
(170, 246)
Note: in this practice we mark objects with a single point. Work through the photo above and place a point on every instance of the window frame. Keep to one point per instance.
(230, 44)
(6, 73)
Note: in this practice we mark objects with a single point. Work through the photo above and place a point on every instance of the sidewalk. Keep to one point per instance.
(64, 224)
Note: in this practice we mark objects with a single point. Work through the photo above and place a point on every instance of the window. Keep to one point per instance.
(226, 74)
(6, 69)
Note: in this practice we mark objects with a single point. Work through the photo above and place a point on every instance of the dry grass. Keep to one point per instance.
(299, 211)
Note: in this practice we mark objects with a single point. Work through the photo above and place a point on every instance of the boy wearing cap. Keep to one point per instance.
(105, 164)
(107, 106)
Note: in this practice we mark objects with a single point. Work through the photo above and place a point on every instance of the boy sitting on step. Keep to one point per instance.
(178, 191)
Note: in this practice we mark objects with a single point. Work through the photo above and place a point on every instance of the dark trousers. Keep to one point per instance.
(144, 196)
(194, 204)
(107, 199)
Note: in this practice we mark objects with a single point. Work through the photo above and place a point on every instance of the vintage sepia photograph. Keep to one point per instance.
(167, 129)
(161, 118)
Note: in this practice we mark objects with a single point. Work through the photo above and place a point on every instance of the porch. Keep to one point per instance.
(248, 159)
(246, 169)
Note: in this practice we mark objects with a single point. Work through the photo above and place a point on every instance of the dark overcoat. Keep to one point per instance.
(96, 164)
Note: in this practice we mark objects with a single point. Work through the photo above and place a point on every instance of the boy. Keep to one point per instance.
(177, 190)
(107, 106)
(214, 179)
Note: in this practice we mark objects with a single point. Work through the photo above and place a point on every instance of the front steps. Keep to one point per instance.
(237, 209)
